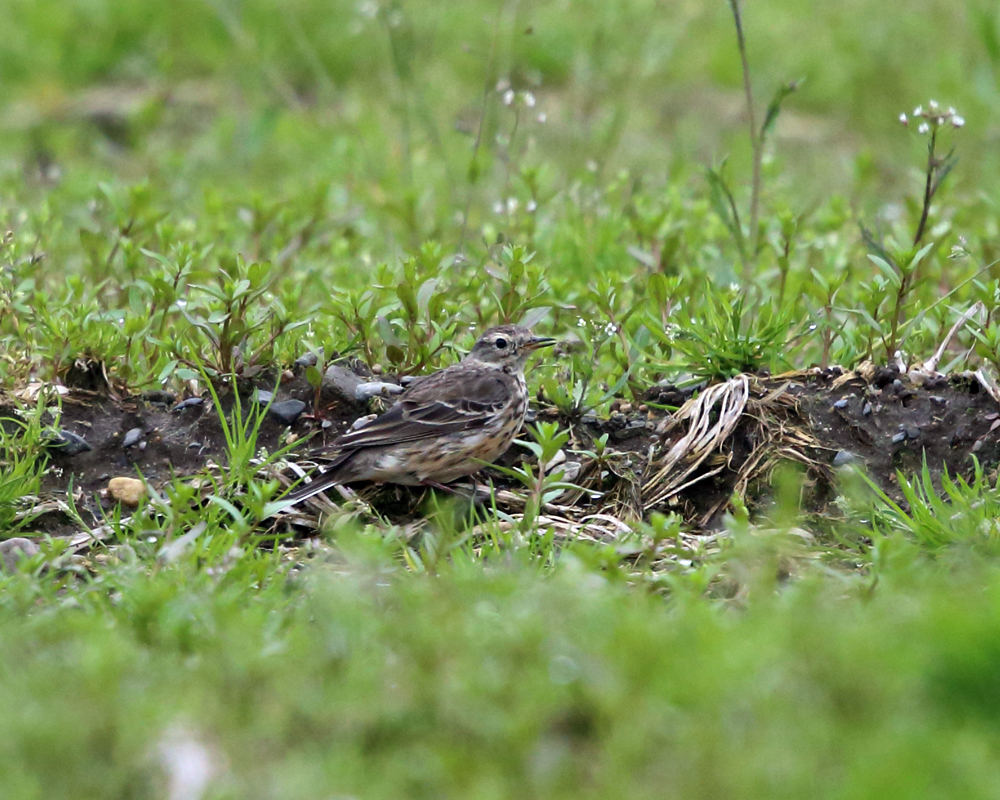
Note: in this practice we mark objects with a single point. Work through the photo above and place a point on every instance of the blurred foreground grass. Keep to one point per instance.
(493, 683)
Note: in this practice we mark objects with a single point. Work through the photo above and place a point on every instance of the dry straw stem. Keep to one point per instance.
(723, 401)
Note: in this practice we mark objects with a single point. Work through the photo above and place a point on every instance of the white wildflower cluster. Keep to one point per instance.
(933, 117)
(960, 250)
(523, 97)
(511, 205)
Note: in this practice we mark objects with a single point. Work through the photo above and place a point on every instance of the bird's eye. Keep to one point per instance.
(501, 343)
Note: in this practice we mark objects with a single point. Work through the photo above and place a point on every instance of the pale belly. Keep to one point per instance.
(446, 460)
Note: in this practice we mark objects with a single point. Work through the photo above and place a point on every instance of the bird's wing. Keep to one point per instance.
(454, 399)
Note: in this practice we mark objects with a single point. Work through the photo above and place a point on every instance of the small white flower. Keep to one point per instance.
(508, 97)
(581, 322)
(924, 127)
(542, 116)
(503, 85)
(498, 207)
(932, 106)
(918, 111)
(957, 121)
(531, 206)
(512, 205)
(529, 99)
(903, 119)
(951, 111)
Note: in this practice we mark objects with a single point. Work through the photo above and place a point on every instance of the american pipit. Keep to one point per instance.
(445, 425)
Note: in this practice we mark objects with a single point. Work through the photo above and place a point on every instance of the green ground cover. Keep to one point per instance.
(203, 190)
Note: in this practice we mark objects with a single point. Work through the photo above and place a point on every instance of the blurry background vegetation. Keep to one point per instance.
(160, 141)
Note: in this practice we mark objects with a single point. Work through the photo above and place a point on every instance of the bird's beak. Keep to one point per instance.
(536, 342)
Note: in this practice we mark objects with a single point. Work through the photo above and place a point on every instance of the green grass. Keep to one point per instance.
(207, 190)
(495, 683)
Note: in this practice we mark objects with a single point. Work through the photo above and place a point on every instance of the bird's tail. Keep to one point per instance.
(330, 475)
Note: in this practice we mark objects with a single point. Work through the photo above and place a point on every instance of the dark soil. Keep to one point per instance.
(887, 423)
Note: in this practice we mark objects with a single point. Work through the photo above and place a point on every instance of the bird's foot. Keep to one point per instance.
(439, 486)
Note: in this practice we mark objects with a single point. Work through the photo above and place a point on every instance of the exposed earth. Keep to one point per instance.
(824, 419)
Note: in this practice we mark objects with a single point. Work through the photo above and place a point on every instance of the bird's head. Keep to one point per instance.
(507, 345)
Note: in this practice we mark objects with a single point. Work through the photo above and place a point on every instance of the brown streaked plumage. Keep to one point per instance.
(444, 425)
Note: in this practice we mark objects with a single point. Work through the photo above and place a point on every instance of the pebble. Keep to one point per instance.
(977, 446)
(555, 461)
(844, 457)
(287, 376)
(159, 397)
(191, 402)
(127, 491)
(899, 437)
(262, 397)
(628, 432)
(366, 391)
(310, 359)
(68, 443)
(132, 438)
(625, 408)
(842, 403)
(571, 471)
(884, 376)
(13, 550)
(912, 433)
(938, 401)
(376, 369)
(360, 421)
(867, 410)
(287, 411)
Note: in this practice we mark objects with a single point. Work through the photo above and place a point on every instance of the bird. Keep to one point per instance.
(445, 426)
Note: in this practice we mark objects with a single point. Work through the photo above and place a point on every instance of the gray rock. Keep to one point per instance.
(339, 385)
(842, 403)
(13, 550)
(899, 437)
(132, 438)
(369, 389)
(191, 402)
(867, 410)
(262, 396)
(844, 457)
(158, 397)
(287, 411)
(310, 359)
(67, 443)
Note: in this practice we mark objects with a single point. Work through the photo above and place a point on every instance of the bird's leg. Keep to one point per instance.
(439, 486)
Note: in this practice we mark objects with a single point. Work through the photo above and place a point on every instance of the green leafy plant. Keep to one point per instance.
(727, 337)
